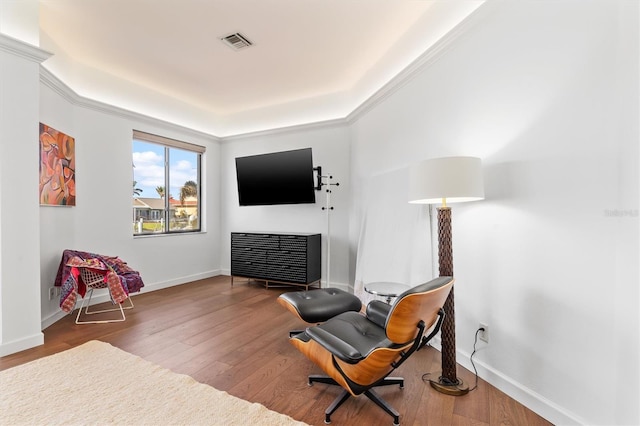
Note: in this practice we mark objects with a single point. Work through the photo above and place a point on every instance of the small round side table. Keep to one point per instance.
(386, 289)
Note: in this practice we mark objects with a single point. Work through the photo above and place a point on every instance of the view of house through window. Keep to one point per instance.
(166, 185)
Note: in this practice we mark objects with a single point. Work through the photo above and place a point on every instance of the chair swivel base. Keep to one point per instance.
(369, 393)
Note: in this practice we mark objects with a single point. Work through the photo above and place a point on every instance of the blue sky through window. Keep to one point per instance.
(148, 171)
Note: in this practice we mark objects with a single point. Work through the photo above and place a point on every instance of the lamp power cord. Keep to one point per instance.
(425, 377)
(475, 370)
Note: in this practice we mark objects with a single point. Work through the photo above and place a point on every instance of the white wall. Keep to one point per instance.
(546, 93)
(330, 146)
(19, 226)
(101, 220)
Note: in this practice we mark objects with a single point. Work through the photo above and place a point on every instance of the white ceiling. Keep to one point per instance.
(321, 57)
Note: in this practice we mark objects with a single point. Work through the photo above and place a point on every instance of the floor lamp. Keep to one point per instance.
(447, 180)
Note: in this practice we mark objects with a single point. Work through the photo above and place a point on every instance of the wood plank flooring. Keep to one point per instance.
(235, 339)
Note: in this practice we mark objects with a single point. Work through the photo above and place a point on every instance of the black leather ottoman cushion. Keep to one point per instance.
(318, 305)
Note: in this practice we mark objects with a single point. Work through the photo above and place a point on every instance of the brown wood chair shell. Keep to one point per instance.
(358, 351)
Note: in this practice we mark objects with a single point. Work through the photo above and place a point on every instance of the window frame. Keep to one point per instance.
(167, 144)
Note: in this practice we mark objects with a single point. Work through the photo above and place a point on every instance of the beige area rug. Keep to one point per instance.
(97, 384)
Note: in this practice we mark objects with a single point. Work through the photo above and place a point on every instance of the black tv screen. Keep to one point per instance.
(277, 178)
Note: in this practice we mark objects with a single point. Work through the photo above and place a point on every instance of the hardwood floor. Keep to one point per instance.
(235, 339)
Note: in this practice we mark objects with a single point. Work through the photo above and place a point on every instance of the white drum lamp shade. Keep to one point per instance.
(454, 179)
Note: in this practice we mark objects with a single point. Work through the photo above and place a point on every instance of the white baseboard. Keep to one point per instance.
(21, 344)
(51, 319)
(342, 286)
(101, 296)
(525, 396)
(178, 281)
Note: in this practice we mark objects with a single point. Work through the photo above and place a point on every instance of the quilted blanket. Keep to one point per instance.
(112, 272)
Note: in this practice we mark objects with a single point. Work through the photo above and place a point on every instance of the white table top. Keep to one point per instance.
(387, 289)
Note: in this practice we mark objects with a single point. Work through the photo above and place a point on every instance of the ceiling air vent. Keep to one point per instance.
(237, 41)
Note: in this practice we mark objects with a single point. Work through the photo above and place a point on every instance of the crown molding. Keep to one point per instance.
(428, 58)
(54, 83)
(337, 122)
(22, 49)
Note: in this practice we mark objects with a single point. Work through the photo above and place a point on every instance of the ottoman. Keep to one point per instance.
(318, 305)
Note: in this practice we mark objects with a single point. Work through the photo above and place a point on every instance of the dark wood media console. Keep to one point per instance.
(291, 259)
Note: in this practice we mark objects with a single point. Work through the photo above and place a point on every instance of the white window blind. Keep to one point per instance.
(148, 137)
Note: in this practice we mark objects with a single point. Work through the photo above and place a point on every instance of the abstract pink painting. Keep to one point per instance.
(57, 168)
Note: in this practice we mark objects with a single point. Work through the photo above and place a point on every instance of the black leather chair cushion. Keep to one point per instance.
(378, 311)
(362, 334)
(319, 305)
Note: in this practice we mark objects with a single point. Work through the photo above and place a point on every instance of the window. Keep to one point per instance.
(166, 185)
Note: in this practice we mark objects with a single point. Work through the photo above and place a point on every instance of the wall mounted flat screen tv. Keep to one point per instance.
(276, 178)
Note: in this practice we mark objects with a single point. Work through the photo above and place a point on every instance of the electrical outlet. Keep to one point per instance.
(52, 293)
(484, 332)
